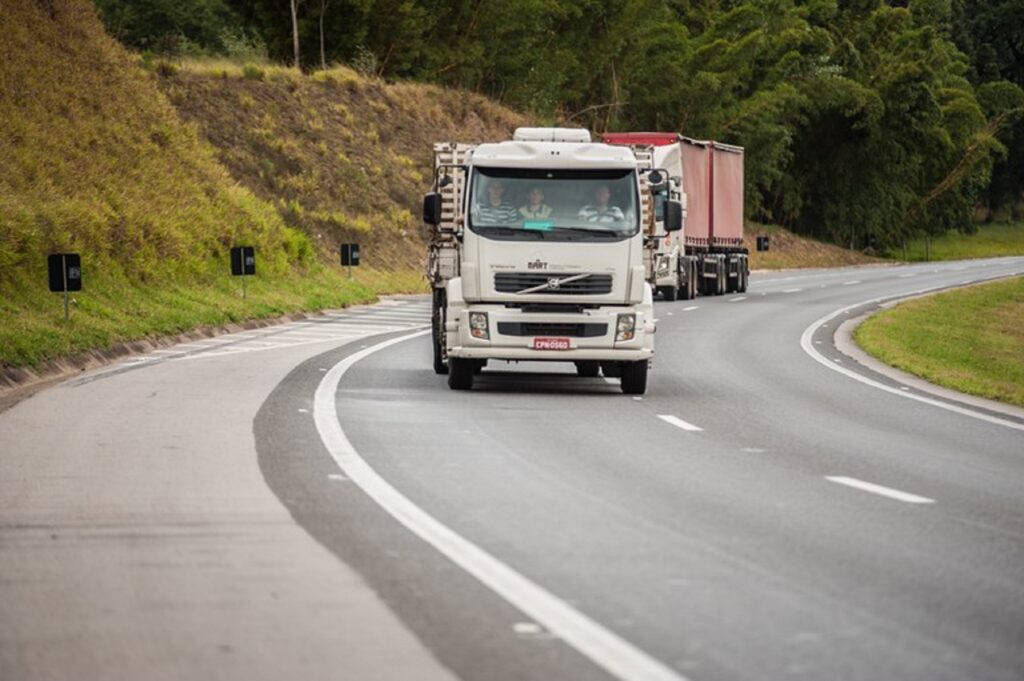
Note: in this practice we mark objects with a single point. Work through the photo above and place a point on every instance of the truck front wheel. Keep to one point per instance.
(437, 333)
(587, 369)
(634, 377)
(668, 293)
(460, 373)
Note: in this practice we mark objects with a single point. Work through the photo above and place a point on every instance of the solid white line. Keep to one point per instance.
(808, 347)
(679, 423)
(604, 648)
(736, 300)
(692, 307)
(879, 489)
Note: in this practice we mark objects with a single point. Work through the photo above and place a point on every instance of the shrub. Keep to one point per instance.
(252, 72)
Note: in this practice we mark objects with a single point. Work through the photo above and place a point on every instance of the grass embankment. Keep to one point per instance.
(96, 160)
(787, 251)
(970, 340)
(343, 157)
(990, 241)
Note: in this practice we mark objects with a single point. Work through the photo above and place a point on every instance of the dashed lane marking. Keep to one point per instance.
(679, 423)
(881, 490)
(793, 290)
(692, 307)
(736, 300)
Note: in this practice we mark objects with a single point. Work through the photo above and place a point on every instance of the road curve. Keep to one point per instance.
(754, 515)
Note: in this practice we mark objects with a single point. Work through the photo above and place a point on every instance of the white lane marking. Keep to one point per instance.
(879, 489)
(905, 276)
(692, 307)
(851, 283)
(679, 423)
(527, 628)
(808, 347)
(603, 647)
(792, 290)
(736, 300)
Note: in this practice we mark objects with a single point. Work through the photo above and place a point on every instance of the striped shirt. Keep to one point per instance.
(607, 214)
(542, 211)
(504, 214)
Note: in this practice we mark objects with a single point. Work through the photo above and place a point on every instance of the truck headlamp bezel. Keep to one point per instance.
(479, 326)
(625, 327)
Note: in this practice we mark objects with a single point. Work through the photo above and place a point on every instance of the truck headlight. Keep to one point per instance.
(478, 325)
(663, 265)
(626, 327)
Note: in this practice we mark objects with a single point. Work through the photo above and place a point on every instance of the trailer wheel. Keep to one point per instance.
(634, 377)
(437, 322)
(588, 369)
(691, 281)
(611, 369)
(460, 373)
(722, 280)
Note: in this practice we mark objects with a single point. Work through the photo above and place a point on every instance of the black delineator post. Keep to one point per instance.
(243, 263)
(65, 273)
(350, 257)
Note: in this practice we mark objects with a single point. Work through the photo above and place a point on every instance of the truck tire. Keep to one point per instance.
(437, 322)
(634, 377)
(588, 369)
(611, 369)
(460, 373)
(723, 277)
(668, 293)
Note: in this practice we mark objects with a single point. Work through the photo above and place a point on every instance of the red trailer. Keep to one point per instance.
(711, 257)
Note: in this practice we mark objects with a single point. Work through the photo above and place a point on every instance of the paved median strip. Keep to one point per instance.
(879, 489)
(679, 423)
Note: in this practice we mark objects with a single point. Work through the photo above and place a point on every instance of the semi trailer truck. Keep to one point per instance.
(536, 253)
(707, 256)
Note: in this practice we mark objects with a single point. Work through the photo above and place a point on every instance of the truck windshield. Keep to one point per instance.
(562, 205)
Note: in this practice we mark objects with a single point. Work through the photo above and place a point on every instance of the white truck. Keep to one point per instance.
(536, 253)
(708, 256)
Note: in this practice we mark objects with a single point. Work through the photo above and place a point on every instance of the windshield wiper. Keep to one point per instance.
(587, 230)
(508, 231)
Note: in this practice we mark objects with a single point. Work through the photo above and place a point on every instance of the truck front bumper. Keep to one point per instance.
(511, 333)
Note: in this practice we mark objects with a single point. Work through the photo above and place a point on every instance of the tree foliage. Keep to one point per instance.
(859, 116)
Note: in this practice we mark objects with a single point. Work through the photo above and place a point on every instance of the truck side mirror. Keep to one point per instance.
(673, 216)
(432, 209)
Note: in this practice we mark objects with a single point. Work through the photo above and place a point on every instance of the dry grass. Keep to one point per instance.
(789, 251)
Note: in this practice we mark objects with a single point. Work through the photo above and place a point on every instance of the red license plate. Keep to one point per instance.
(551, 344)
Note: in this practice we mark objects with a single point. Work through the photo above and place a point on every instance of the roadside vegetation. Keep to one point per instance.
(990, 241)
(98, 161)
(970, 340)
(789, 251)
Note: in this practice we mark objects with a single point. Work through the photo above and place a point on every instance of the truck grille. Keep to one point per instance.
(514, 282)
(552, 329)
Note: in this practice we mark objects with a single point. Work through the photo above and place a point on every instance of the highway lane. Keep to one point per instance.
(734, 551)
(710, 525)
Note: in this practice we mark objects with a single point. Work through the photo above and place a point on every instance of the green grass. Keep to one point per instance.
(991, 240)
(112, 309)
(971, 340)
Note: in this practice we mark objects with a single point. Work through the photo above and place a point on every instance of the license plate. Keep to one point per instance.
(551, 344)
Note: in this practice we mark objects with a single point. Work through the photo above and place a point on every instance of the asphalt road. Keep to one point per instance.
(755, 515)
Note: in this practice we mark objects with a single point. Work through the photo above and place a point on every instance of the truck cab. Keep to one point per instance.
(537, 253)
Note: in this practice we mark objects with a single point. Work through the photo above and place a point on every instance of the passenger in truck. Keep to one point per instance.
(600, 210)
(535, 207)
(496, 211)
